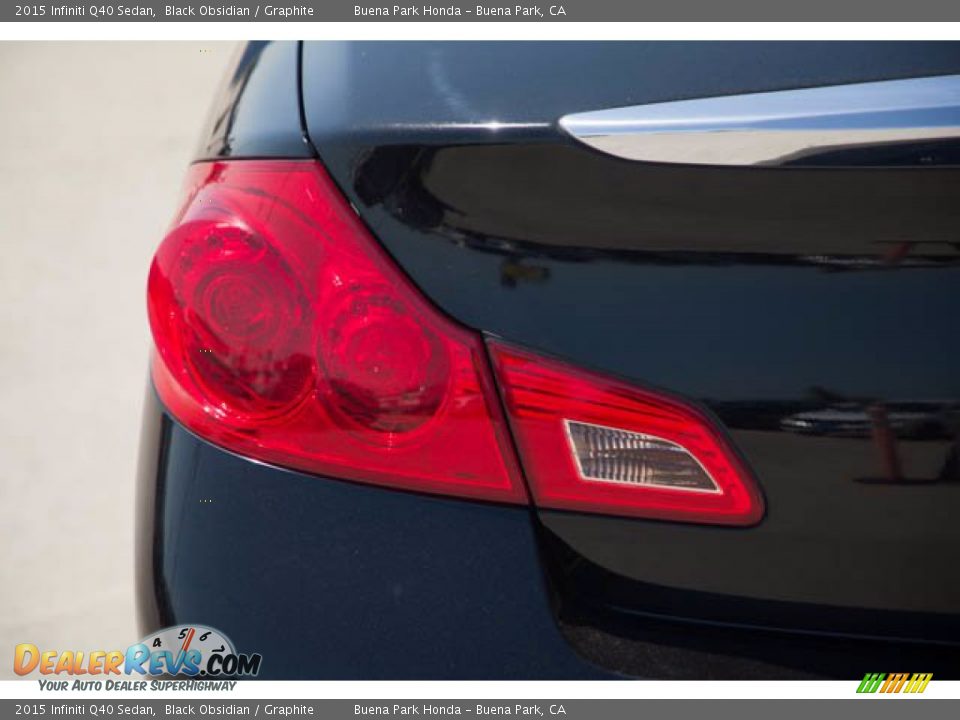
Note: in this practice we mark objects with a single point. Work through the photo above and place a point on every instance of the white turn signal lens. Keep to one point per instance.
(606, 454)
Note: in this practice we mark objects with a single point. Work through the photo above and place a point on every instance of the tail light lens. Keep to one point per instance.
(592, 443)
(285, 334)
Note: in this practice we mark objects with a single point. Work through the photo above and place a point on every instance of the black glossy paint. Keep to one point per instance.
(257, 110)
(328, 579)
(773, 297)
(766, 294)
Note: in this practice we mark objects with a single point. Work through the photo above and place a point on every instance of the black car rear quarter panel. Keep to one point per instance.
(324, 578)
(758, 294)
(330, 579)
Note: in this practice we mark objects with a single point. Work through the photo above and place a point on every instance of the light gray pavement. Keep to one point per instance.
(94, 141)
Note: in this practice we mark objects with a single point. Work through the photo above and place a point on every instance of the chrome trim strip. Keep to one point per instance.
(775, 128)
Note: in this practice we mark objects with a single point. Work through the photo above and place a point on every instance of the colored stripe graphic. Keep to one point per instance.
(894, 682)
(871, 682)
(918, 683)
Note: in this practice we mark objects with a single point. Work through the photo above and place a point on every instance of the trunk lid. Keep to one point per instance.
(812, 311)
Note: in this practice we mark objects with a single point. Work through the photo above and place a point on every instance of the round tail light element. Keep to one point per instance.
(284, 333)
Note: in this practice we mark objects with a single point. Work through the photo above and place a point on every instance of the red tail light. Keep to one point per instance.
(591, 443)
(285, 334)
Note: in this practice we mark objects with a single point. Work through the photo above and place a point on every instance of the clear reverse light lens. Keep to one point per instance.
(607, 454)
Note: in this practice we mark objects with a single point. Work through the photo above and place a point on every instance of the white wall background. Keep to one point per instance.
(94, 141)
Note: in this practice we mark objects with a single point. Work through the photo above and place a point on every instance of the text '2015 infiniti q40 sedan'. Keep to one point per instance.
(564, 360)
